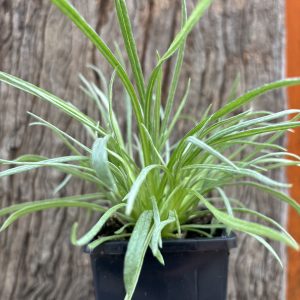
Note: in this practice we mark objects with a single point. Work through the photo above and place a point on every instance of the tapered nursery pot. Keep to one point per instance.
(194, 269)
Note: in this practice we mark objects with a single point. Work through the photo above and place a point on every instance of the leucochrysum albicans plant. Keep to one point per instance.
(154, 188)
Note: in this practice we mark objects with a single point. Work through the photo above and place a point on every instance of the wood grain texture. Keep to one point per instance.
(40, 45)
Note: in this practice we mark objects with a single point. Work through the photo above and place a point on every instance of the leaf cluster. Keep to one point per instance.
(156, 188)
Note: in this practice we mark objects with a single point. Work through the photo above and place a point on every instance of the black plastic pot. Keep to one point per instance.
(194, 269)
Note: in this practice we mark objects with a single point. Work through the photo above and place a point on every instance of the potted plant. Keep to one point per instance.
(161, 203)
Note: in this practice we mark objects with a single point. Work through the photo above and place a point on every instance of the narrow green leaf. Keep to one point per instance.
(156, 111)
(63, 183)
(176, 74)
(247, 227)
(178, 227)
(234, 87)
(137, 246)
(277, 194)
(269, 247)
(154, 244)
(101, 76)
(211, 151)
(70, 11)
(257, 131)
(202, 226)
(275, 154)
(96, 228)
(263, 145)
(57, 102)
(177, 115)
(227, 205)
(100, 162)
(225, 122)
(193, 19)
(226, 201)
(156, 240)
(129, 124)
(104, 239)
(53, 162)
(147, 134)
(265, 219)
(240, 171)
(178, 41)
(130, 45)
(63, 135)
(123, 228)
(113, 120)
(247, 97)
(131, 196)
(19, 206)
(91, 93)
(232, 106)
(242, 125)
(31, 207)
(91, 34)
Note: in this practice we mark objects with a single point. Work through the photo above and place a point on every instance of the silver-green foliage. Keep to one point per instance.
(150, 185)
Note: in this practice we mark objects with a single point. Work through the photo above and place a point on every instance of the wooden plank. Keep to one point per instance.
(38, 44)
(293, 69)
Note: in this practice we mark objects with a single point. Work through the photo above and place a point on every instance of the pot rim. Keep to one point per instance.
(220, 243)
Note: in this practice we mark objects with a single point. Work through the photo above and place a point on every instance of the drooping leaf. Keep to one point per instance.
(156, 240)
(268, 246)
(137, 246)
(277, 194)
(265, 219)
(19, 206)
(247, 227)
(53, 162)
(21, 210)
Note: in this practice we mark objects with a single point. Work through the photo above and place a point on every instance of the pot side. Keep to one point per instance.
(194, 269)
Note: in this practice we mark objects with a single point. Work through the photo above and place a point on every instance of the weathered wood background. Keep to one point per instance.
(40, 45)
